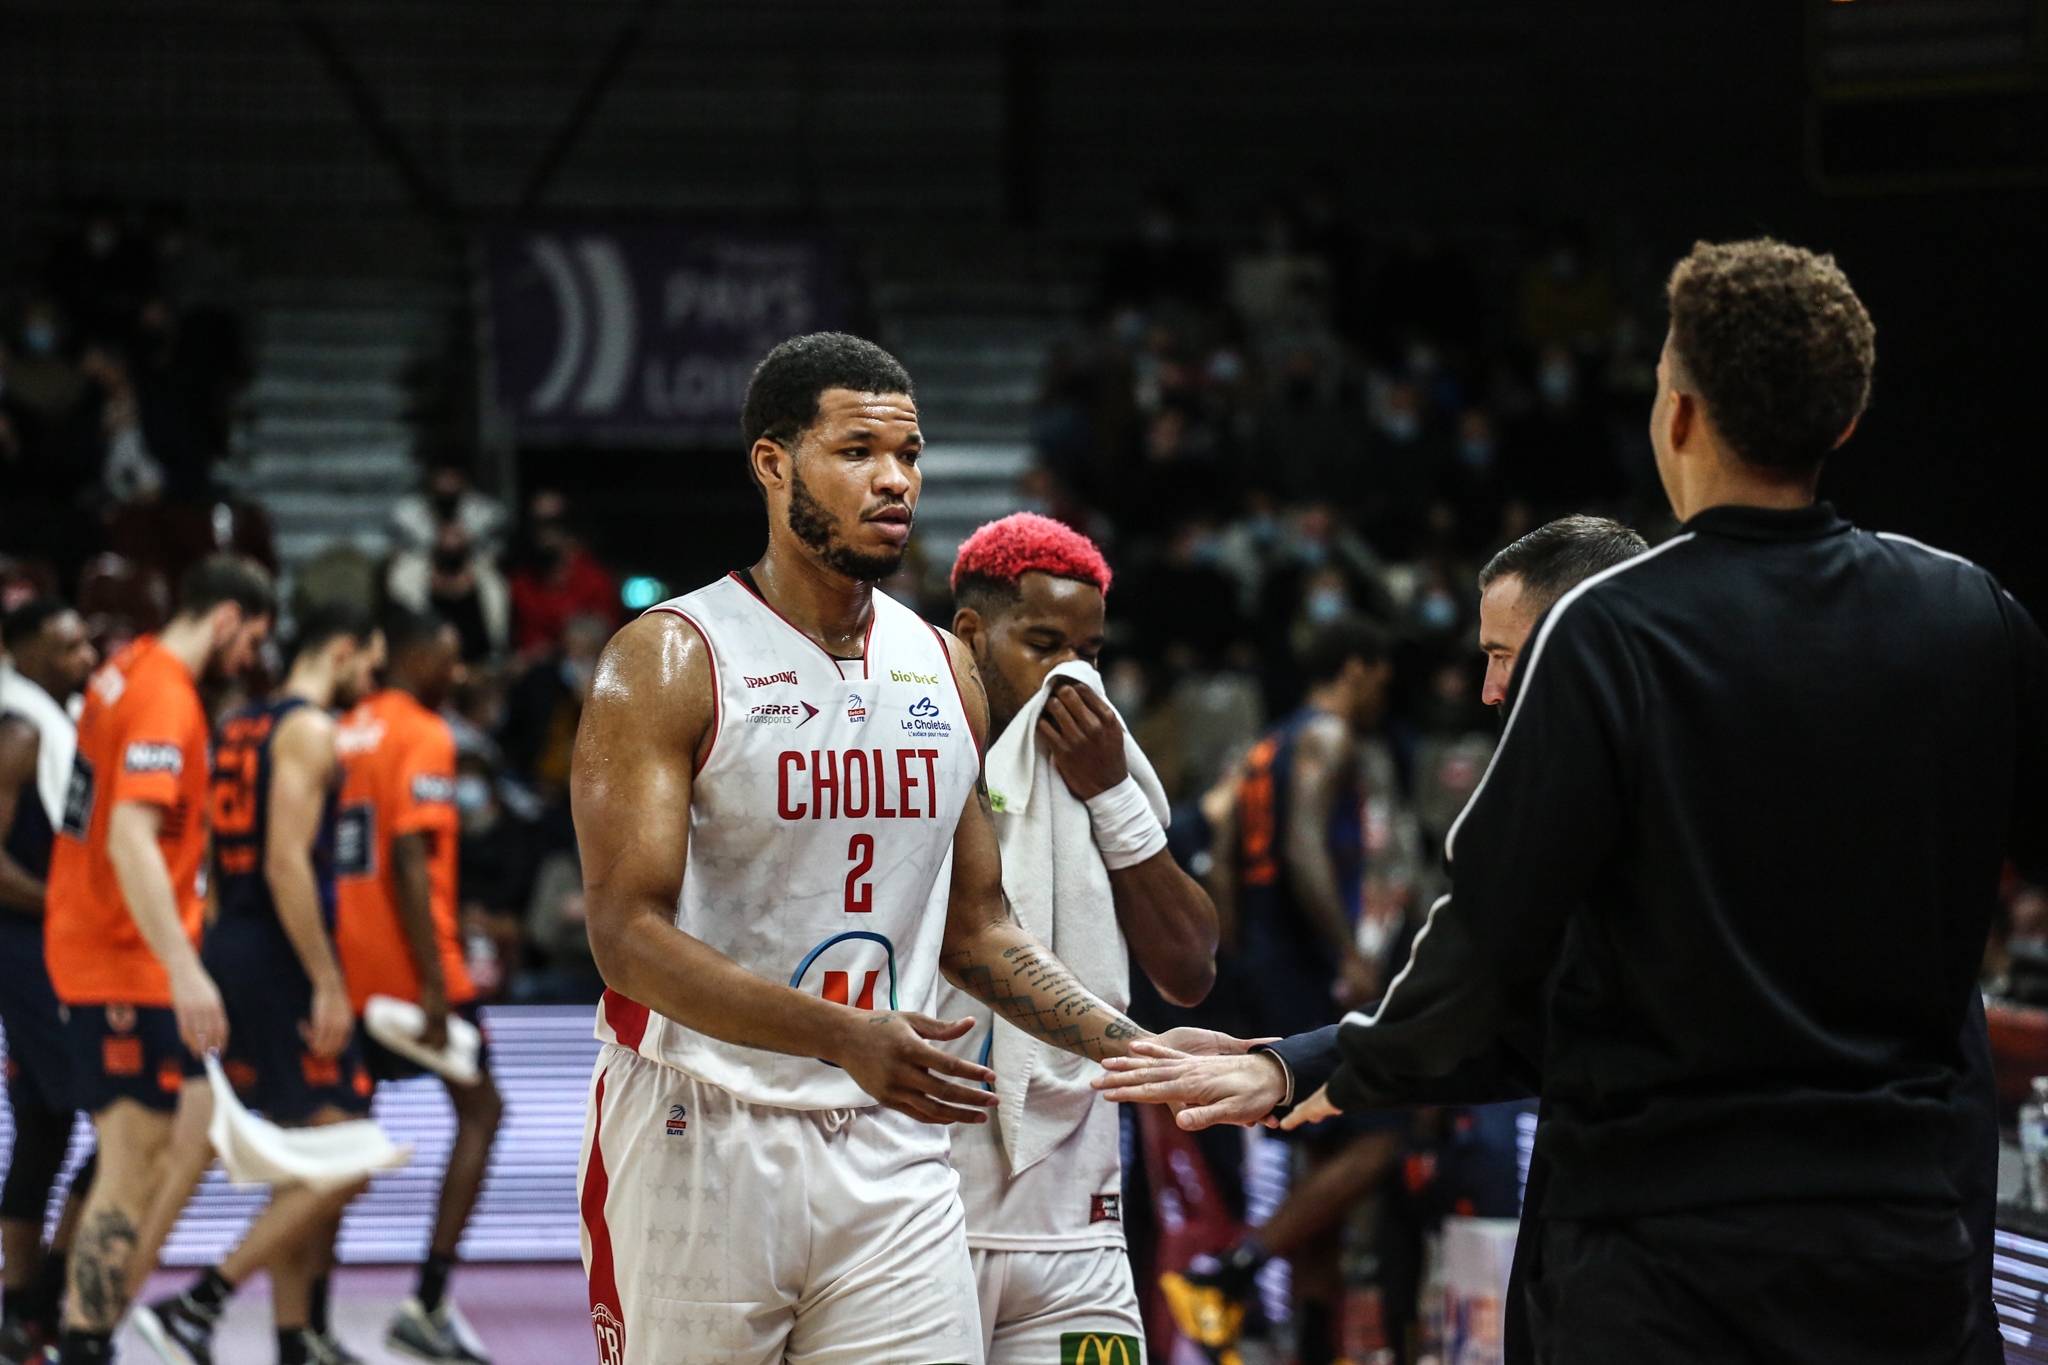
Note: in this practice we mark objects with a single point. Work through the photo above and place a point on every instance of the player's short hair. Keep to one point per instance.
(782, 397)
(1775, 342)
(1336, 643)
(26, 621)
(992, 562)
(328, 621)
(406, 629)
(1559, 555)
(227, 578)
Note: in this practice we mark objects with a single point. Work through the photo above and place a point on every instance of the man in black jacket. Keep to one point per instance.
(1751, 805)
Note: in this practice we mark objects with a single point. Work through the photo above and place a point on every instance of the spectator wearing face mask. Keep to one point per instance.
(547, 701)
(444, 496)
(556, 577)
(459, 585)
(497, 869)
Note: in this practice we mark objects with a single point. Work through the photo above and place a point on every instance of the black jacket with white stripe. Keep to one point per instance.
(1755, 791)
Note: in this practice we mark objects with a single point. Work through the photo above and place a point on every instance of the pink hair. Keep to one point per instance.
(1025, 542)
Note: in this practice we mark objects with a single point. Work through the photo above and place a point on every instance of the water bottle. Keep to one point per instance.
(2034, 1148)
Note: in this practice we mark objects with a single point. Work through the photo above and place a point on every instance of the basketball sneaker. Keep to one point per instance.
(442, 1335)
(326, 1349)
(20, 1342)
(179, 1329)
(1206, 1312)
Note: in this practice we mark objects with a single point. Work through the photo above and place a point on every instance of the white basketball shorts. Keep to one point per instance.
(715, 1230)
(1076, 1307)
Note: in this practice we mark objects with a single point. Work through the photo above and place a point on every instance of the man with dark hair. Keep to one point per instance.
(1086, 867)
(399, 933)
(290, 1053)
(48, 659)
(1768, 775)
(126, 901)
(771, 776)
(1525, 580)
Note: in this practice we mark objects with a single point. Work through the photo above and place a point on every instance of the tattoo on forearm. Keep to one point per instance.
(1027, 986)
(99, 1270)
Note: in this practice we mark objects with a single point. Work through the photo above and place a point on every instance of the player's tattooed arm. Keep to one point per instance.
(1015, 975)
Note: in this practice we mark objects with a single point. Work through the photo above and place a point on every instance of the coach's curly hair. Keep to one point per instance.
(1776, 343)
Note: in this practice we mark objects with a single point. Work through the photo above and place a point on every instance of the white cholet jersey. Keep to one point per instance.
(821, 831)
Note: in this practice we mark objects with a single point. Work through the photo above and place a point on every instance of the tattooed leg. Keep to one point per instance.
(99, 1270)
(132, 1139)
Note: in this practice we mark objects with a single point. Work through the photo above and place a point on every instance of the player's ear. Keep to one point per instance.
(773, 463)
(968, 625)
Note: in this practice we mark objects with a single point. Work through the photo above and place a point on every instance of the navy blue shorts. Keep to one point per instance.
(126, 1052)
(38, 1057)
(268, 999)
(386, 1065)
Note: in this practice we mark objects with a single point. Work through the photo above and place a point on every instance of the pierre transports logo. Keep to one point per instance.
(921, 679)
(611, 1334)
(1099, 1348)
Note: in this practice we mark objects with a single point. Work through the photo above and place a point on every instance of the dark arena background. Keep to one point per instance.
(452, 303)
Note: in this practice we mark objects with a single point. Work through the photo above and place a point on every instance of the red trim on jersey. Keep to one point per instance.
(717, 693)
(946, 653)
(867, 641)
(604, 1279)
(755, 594)
(626, 1018)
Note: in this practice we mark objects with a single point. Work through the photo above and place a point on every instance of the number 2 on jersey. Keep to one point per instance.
(860, 895)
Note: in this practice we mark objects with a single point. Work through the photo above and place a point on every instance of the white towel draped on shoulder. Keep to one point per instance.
(1059, 891)
(58, 729)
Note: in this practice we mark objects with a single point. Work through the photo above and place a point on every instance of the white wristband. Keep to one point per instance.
(1126, 830)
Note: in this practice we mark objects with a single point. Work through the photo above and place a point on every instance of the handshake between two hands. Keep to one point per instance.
(1208, 1078)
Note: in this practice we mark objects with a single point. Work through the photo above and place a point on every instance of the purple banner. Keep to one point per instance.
(644, 330)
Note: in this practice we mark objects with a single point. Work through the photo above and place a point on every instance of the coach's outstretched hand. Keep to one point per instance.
(1239, 1088)
(888, 1056)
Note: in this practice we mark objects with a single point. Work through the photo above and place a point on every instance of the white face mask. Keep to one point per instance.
(472, 794)
(1325, 605)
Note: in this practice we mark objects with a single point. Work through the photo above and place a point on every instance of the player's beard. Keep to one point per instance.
(813, 525)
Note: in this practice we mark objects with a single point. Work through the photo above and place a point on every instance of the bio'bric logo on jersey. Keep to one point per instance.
(924, 719)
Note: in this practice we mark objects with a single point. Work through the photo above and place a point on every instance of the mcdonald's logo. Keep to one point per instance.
(1099, 1348)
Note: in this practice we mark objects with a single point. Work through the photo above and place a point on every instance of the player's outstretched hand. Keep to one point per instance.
(888, 1056)
(1084, 739)
(1314, 1109)
(1206, 1042)
(327, 1029)
(1240, 1089)
(202, 1019)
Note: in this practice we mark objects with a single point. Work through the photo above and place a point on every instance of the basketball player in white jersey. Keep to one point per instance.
(1043, 1197)
(776, 800)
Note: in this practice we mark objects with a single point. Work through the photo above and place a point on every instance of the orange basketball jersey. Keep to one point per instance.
(398, 763)
(142, 738)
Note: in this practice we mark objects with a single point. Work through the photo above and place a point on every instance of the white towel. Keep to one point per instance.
(398, 1025)
(58, 729)
(1060, 891)
(258, 1152)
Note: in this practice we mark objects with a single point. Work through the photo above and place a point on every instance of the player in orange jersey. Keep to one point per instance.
(125, 902)
(291, 1051)
(395, 866)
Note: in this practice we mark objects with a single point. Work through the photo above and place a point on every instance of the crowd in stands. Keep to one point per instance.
(121, 365)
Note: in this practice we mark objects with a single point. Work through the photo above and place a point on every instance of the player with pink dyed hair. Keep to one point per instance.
(1043, 1186)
